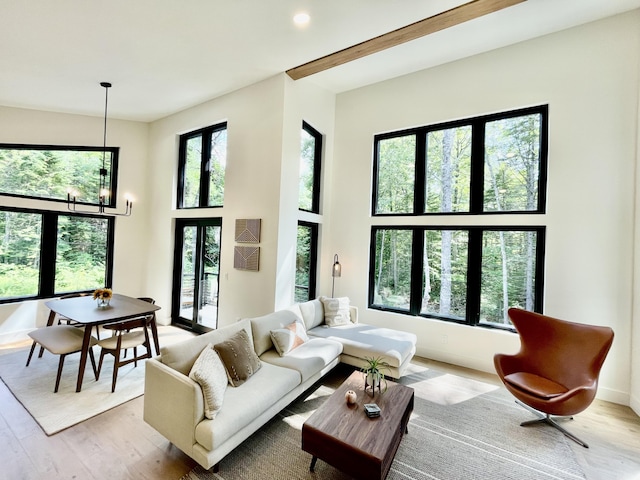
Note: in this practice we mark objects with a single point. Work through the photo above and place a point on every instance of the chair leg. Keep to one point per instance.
(93, 363)
(33, 347)
(116, 365)
(546, 418)
(60, 365)
(103, 352)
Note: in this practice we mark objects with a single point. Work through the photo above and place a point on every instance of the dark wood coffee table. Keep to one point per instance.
(343, 436)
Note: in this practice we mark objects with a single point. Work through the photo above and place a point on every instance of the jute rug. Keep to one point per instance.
(460, 429)
(33, 387)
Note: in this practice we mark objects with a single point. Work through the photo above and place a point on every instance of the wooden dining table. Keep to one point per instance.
(85, 311)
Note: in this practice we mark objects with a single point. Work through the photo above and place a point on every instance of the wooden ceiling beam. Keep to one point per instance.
(441, 21)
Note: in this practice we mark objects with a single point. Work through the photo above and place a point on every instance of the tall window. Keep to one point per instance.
(50, 171)
(310, 163)
(196, 273)
(309, 201)
(489, 164)
(43, 254)
(306, 261)
(201, 167)
(484, 165)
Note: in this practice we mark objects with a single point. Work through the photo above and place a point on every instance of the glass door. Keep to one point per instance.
(196, 273)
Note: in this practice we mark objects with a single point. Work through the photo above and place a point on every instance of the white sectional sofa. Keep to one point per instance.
(174, 403)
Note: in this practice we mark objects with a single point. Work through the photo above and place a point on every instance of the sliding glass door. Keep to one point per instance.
(196, 273)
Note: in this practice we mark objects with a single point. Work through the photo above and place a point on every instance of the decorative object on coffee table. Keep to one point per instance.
(343, 436)
(351, 397)
(374, 375)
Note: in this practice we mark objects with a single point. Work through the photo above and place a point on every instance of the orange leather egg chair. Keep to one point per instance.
(556, 370)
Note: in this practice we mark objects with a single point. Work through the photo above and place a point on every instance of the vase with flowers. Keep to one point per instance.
(103, 296)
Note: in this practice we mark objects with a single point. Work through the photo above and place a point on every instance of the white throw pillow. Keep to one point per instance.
(290, 337)
(208, 370)
(336, 311)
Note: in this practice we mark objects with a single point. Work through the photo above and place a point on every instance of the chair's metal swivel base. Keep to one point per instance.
(546, 418)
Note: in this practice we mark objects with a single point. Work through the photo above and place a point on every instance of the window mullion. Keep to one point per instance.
(49, 241)
(474, 276)
(476, 199)
(417, 267)
(420, 173)
(205, 168)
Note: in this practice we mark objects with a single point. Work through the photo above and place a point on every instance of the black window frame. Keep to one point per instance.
(474, 270)
(180, 224)
(48, 250)
(476, 198)
(113, 174)
(205, 171)
(313, 258)
(317, 167)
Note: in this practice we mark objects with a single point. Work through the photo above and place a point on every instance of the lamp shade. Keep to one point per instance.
(337, 268)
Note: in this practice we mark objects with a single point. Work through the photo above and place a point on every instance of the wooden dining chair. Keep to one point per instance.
(60, 340)
(129, 334)
(152, 325)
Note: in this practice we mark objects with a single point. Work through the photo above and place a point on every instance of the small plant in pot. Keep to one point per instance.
(373, 373)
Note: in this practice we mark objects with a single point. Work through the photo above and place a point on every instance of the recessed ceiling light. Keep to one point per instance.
(301, 19)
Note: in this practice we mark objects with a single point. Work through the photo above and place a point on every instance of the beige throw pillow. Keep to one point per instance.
(238, 357)
(290, 337)
(211, 375)
(336, 311)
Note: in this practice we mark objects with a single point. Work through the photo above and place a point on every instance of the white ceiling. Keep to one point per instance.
(163, 56)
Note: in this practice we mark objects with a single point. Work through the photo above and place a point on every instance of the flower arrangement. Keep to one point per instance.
(103, 296)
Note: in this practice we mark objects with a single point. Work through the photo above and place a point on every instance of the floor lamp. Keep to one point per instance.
(336, 271)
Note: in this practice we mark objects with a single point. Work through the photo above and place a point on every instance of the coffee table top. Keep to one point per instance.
(350, 426)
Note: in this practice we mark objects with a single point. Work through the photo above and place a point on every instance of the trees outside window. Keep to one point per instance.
(201, 167)
(310, 168)
(50, 172)
(306, 261)
(470, 275)
(486, 165)
(43, 254)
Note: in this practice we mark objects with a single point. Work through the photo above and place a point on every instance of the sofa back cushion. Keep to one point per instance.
(262, 326)
(312, 313)
(181, 356)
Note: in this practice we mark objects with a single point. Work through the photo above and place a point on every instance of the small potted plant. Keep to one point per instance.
(373, 373)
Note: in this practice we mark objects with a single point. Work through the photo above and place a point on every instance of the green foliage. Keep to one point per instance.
(81, 246)
(18, 280)
(396, 174)
(51, 173)
(307, 161)
(303, 263)
(511, 164)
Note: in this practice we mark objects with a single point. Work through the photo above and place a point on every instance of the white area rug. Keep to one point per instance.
(33, 387)
(460, 429)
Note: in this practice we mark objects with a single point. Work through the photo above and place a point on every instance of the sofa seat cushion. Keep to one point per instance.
(244, 404)
(361, 340)
(308, 359)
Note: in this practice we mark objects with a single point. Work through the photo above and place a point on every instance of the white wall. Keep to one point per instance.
(261, 181)
(589, 78)
(36, 127)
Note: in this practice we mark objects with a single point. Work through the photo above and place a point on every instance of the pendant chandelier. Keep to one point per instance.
(103, 190)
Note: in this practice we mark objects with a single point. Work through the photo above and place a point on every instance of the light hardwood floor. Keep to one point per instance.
(119, 445)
